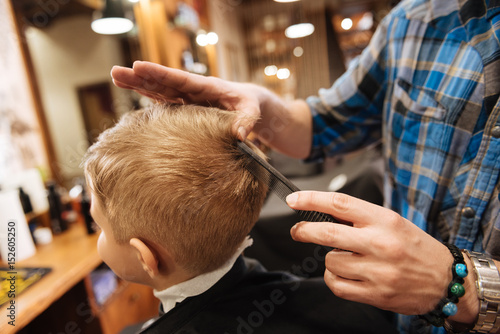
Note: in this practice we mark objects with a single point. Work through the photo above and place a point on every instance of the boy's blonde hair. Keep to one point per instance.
(173, 175)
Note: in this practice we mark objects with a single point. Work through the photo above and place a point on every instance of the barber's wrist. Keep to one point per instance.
(468, 305)
(448, 306)
(487, 284)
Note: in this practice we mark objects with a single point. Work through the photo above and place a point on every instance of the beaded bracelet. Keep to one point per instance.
(448, 305)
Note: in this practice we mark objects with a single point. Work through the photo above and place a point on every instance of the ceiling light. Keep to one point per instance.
(298, 51)
(346, 24)
(212, 38)
(112, 25)
(111, 20)
(283, 73)
(299, 30)
(270, 70)
(202, 39)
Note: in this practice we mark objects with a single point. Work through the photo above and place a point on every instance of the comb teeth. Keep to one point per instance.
(279, 184)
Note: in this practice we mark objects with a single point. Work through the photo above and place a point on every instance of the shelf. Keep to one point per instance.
(71, 255)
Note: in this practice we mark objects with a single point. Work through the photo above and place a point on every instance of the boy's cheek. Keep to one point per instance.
(119, 259)
(106, 252)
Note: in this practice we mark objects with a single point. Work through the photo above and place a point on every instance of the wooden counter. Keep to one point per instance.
(72, 256)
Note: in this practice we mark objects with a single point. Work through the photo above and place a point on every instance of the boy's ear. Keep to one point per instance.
(147, 256)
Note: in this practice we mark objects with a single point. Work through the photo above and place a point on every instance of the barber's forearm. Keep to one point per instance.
(285, 126)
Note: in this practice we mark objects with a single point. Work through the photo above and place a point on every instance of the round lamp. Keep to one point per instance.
(111, 20)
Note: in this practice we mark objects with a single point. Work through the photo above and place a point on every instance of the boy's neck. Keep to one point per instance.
(193, 286)
(176, 276)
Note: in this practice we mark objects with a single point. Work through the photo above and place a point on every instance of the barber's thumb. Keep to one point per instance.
(291, 199)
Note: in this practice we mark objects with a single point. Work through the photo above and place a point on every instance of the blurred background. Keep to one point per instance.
(56, 96)
(62, 96)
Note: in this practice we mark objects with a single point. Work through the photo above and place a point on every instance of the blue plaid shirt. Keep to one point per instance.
(427, 86)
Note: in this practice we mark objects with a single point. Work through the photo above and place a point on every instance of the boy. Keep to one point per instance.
(175, 205)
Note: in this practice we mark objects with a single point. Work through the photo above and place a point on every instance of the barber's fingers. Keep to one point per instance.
(343, 207)
(164, 83)
(348, 265)
(182, 81)
(125, 77)
(122, 85)
(331, 235)
(357, 291)
(360, 267)
(163, 75)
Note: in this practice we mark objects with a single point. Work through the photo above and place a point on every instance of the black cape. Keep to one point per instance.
(251, 300)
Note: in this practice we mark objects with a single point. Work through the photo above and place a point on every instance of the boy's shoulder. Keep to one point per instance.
(249, 299)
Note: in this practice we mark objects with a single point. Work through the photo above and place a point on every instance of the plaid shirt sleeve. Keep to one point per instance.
(428, 87)
(348, 115)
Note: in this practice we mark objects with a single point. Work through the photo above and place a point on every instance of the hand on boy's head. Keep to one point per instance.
(172, 85)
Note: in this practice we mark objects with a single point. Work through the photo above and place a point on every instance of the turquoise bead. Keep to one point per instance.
(457, 289)
(450, 309)
(461, 270)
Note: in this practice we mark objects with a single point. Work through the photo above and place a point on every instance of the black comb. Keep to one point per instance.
(279, 184)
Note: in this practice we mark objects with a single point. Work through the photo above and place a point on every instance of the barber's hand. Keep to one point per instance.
(172, 85)
(394, 265)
